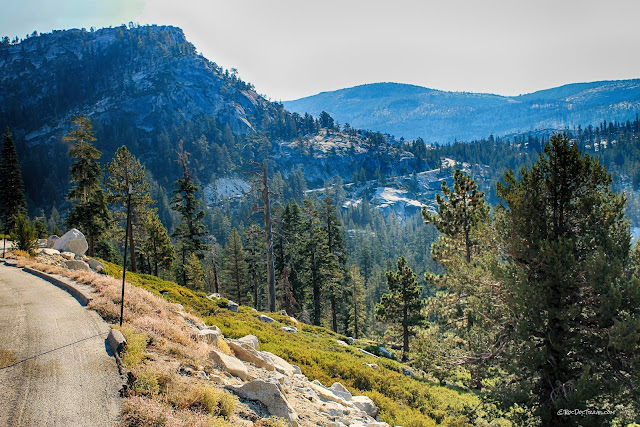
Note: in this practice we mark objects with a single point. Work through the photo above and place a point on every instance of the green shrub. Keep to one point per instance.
(217, 402)
(136, 344)
(146, 383)
(24, 235)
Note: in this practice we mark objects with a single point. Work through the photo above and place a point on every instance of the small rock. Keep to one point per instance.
(186, 371)
(385, 352)
(351, 340)
(68, 255)
(74, 264)
(372, 365)
(95, 265)
(327, 394)
(72, 241)
(342, 343)
(214, 296)
(178, 306)
(164, 292)
(291, 329)
(279, 363)
(283, 313)
(297, 370)
(270, 394)
(229, 364)
(252, 340)
(116, 341)
(366, 404)
(339, 390)
(247, 353)
(232, 306)
(209, 335)
(50, 251)
(408, 372)
(265, 318)
(293, 319)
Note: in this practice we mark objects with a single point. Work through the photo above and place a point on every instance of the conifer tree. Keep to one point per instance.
(357, 309)
(124, 171)
(12, 199)
(403, 304)
(235, 267)
(576, 315)
(194, 273)
(335, 269)
(191, 230)
(89, 212)
(254, 250)
(157, 245)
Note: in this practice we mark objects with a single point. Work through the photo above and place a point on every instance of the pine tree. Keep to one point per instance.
(336, 267)
(566, 243)
(191, 230)
(254, 250)
(194, 273)
(157, 245)
(235, 267)
(122, 172)
(24, 234)
(89, 213)
(357, 309)
(12, 199)
(403, 303)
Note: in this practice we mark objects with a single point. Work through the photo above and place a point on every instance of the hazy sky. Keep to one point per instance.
(294, 48)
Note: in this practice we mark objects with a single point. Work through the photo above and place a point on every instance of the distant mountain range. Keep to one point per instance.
(437, 116)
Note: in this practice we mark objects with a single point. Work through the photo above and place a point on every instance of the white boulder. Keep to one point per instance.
(270, 394)
(265, 318)
(365, 404)
(75, 264)
(229, 364)
(72, 241)
(252, 340)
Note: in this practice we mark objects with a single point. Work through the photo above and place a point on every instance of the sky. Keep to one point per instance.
(294, 48)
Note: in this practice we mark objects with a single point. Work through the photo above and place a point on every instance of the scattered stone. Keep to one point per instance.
(252, 340)
(351, 340)
(75, 264)
(294, 320)
(214, 296)
(164, 292)
(265, 318)
(232, 306)
(366, 404)
(270, 394)
(291, 329)
(229, 364)
(72, 241)
(385, 352)
(245, 351)
(51, 241)
(68, 255)
(209, 335)
(367, 353)
(339, 390)
(327, 394)
(186, 371)
(279, 363)
(372, 365)
(95, 265)
(408, 372)
(50, 251)
(283, 313)
(342, 343)
(297, 369)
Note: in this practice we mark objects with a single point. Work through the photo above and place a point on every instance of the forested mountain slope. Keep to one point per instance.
(438, 116)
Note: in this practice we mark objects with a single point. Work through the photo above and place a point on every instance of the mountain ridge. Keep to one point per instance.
(412, 111)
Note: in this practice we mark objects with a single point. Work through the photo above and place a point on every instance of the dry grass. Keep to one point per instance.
(160, 338)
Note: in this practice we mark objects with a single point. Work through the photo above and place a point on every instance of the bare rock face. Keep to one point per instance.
(366, 404)
(95, 265)
(270, 394)
(72, 241)
(51, 241)
(50, 251)
(229, 364)
(279, 363)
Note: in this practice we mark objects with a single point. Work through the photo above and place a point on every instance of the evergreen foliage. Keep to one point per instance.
(235, 268)
(89, 213)
(124, 171)
(157, 245)
(25, 237)
(567, 241)
(12, 198)
(403, 304)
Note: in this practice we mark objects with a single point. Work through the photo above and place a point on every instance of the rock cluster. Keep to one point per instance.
(261, 376)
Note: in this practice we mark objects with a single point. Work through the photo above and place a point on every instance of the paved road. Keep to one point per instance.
(54, 367)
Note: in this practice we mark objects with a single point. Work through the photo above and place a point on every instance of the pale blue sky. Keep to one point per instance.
(294, 48)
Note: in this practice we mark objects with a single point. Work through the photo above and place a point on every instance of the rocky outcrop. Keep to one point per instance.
(72, 241)
(229, 364)
(76, 264)
(245, 352)
(270, 394)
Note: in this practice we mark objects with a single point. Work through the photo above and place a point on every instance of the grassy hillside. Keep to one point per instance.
(402, 400)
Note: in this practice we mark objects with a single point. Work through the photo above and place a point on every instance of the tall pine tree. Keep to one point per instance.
(124, 171)
(89, 212)
(403, 304)
(235, 267)
(12, 199)
(191, 230)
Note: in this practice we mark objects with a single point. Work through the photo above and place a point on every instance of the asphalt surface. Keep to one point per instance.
(54, 365)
